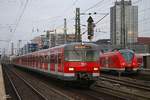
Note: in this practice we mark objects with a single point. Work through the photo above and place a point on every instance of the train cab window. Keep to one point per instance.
(128, 55)
(81, 55)
(91, 55)
(75, 55)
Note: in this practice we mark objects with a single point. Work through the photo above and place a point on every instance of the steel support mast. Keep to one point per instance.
(77, 26)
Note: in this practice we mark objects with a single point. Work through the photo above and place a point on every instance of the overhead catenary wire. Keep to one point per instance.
(93, 6)
(55, 18)
(98, 21)
(75, 1)
(16, 24)
(101, 6)
(19, 19)
(60, 15)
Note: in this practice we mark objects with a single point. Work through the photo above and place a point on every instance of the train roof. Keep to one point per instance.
(70, 46)
(129, 50)
(115, 51)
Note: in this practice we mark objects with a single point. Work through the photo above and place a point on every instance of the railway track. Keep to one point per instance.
(22, 89)
(49, 93)
(55, 91)
(140, 84)
(71, 93)
(9, 88)
(90, 94)
(141, 76)
(123, 87)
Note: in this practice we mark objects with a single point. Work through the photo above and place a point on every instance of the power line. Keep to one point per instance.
(102, 7)
(102, 18)
(98, 21)
(94, 5)
(55, 18)
(19, 19)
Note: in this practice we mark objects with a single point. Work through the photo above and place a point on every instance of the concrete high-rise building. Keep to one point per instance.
(123, 23)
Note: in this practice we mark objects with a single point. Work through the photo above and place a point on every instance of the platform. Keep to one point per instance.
(2, 86)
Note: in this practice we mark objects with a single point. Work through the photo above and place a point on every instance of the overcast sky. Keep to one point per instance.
(20, 19)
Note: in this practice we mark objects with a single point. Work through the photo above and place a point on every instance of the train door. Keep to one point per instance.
(60, 61)
(107, 62)
(52, 62)
(39, 60)
(56, 63)
(48, 61)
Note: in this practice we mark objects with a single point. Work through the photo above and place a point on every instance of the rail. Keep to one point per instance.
(19, 95)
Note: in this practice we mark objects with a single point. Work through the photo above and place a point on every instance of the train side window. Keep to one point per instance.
(40, 58)
(37, 58)
(59, 58)
(31, 58)
(110, 61)
(55, 58)
(43, 59)
(52, 58)
(46, 59)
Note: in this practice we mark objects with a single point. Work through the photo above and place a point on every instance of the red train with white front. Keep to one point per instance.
(119, 60)
(75, 62)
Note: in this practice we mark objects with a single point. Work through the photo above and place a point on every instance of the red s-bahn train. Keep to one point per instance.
(75, 62)
(119, 60)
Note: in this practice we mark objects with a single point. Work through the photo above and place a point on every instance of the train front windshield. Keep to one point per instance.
(81, 55)
(127, 54)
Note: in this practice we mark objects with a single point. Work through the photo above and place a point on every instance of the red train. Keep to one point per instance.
(69, 62)
(119, 60)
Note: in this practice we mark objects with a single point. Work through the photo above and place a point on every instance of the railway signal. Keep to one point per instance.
(90, 29)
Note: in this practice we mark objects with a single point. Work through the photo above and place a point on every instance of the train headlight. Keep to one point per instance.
(95, 69)
(134, 64)
(123, 64)
(71, 69)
